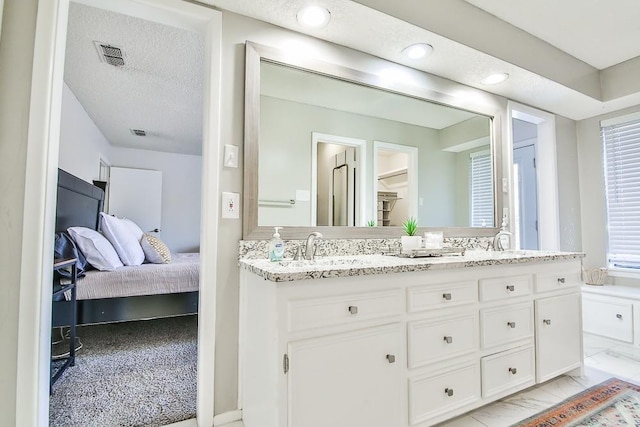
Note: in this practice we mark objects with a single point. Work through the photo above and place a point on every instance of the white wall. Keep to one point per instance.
(181, 178)
(82, 145)
(16, 61)
(568, 185)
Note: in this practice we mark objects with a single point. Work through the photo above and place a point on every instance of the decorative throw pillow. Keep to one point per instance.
(96, 248)
(124, 241)
(155, 250)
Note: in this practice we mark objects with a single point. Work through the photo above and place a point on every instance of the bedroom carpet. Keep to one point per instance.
(139, 373)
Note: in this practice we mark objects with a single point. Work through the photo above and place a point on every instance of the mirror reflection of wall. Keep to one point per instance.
(296, 104)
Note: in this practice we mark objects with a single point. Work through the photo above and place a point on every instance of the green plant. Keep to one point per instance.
(371, 223)
(410, 226)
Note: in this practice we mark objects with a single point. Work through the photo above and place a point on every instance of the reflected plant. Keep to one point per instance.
(371, 223)
(410, 226)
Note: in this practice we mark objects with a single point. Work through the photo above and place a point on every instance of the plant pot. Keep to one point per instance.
(410, 242)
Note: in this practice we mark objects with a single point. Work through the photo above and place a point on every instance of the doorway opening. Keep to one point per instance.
(337, 176)
(44, 126)
(395, 183)
(534, 203)
(525, 137)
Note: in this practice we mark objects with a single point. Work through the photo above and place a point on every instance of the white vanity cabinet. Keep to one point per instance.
(403, 349)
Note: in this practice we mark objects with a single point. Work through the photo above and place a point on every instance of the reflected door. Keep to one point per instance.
(527, 200)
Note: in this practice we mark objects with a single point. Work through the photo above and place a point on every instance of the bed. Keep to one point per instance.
(127, 293)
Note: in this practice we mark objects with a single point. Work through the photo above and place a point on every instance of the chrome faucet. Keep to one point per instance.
(310, 248)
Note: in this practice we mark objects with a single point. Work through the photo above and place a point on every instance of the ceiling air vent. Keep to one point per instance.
(110, 54)
(138, 132)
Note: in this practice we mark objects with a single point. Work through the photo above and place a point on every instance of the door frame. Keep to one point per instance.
(43, 140)
(546, 172)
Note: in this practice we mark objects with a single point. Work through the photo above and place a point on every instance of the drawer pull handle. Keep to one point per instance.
(448, 340)
(619, 316)
(511, 324)
(561, 280)
(391, 358)
(547, 321)
(513, 371)
(447, 297)
(449, 391)
(353, 309)
(511, 288)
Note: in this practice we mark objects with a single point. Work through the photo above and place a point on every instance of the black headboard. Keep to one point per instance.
(79, 203)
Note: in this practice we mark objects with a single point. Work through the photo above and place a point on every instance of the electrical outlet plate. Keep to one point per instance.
(230, 205)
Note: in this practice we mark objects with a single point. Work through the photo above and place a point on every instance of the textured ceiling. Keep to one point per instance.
(159, 89)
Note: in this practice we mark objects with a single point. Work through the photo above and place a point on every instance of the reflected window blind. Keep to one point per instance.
(480, 175)
(621, 144)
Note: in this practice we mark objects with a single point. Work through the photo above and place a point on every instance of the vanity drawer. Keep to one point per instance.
(434, 396)
(441, 339)
(609, 317)
(559, 279)
(429, 297)
(502, 288)
(503, 325)
(508, 371)
(343, 309)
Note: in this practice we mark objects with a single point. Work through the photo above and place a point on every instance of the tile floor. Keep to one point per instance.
(604, 358)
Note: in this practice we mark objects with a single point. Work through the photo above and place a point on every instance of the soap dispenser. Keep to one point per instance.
(276, 246)
(502, 240)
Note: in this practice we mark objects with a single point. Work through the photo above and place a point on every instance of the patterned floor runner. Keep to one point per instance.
(611, 403)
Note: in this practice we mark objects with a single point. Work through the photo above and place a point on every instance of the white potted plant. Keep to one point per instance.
(410, 241)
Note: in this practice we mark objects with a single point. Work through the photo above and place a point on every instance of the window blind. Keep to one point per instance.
(621, 146)
(481, 184)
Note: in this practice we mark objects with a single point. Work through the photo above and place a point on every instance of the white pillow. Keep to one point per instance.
(96, 248)
(124, 241)
(134, 228)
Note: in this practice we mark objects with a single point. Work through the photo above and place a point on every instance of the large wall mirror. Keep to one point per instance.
(332, 149)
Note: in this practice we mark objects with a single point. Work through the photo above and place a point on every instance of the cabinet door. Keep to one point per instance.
(558, 335)
(346, 380)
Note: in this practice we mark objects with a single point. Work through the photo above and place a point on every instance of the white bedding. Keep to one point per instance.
(182, 274)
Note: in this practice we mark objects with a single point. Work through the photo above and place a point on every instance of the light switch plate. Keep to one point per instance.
(230, 205)
(230, 156)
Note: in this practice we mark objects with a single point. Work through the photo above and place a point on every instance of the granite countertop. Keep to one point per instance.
(362, 265)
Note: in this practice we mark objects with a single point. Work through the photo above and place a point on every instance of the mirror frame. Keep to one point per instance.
(256, 53)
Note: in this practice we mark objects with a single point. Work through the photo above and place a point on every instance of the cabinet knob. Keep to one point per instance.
(561, 280)
(448, 391)
(511, 324)
(353, 309)
(511, 288)
(448, 340)
(619, 316)
(547, 321)
(513, 371)
(447, 296)
(391, 358)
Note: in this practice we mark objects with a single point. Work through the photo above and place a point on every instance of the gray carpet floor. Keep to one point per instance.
(139, 373)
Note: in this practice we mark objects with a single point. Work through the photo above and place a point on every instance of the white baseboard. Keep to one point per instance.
(227, 417)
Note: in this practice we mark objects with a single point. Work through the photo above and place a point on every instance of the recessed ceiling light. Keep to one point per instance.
(314, 16)
(494, 79)
(417, 51)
